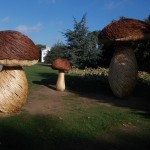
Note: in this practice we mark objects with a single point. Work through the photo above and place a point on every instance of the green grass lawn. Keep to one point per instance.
(39, 72)
(88, 124)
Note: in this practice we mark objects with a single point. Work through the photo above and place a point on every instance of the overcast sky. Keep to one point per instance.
(44, 20)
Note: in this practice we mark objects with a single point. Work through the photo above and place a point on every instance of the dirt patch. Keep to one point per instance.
(128, 128)
(44, 100)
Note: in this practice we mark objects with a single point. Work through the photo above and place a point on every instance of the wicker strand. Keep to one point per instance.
(123, 72)
(13, 89)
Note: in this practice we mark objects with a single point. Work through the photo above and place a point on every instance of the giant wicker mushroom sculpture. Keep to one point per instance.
(16, 50)
(61, 65)
(123, 67)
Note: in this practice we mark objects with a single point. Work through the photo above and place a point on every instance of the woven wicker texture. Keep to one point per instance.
(16, 46)
(21, 63)
(123, 72)
(125, 30)
(13, 89)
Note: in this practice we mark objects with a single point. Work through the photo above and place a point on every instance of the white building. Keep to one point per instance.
(44, 52)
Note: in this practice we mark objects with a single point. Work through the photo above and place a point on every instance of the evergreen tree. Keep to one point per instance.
(81, 44)
(58, 50)
(147, 20)
(142, 51)
(91, 55)
(76, 41)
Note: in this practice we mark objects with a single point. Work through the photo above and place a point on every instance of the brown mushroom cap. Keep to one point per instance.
(61, 64)
(17, 49)
(124, 30)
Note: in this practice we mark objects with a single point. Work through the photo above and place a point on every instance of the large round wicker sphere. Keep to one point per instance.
(123, 71)
(13, 89)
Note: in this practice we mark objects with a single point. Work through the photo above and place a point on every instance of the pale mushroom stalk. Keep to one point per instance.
(60, 84)
(61, 65)
(13, 87)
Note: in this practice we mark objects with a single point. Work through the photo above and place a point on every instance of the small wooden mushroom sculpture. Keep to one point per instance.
(61, 65)
(123, 67)
(16, 50)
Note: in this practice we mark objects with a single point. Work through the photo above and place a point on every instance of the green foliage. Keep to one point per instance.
(82, 45)
(57, 51)
(76, 41)
(39, 46)
(106, 55)
(142, 52)
(147, 20)
(77, 37)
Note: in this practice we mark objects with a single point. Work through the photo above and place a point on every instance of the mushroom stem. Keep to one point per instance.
(123, 71)
(13, 89)
(60, 85)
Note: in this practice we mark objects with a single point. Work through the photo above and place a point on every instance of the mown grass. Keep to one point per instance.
(94, 120)
(37, 73)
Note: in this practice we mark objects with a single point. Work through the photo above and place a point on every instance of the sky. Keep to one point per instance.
(43, 21)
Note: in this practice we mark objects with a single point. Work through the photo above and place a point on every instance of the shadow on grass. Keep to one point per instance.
(100, 90)
(48, 133)
(48, 80)
(44, 64)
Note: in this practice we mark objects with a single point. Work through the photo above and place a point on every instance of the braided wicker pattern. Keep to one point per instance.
(125, 30)
(13, 89)
(16, 46)
(123, 72)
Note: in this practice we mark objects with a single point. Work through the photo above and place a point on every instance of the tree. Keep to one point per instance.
(106, 55)
(91, 55)
(58, 50)
(142, 51)
(147, 20)
(81, 45)
(76, 41)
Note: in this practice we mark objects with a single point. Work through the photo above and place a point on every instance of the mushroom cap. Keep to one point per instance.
(124, 30)
(17, 49)
(61, 64)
